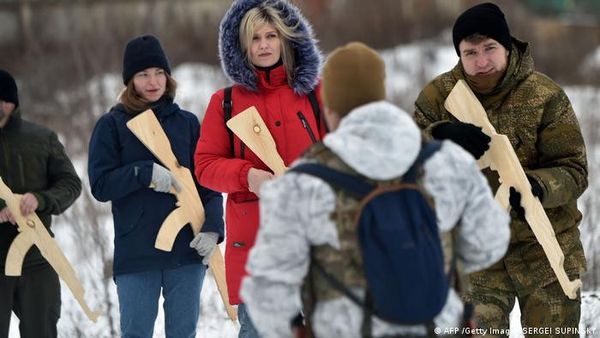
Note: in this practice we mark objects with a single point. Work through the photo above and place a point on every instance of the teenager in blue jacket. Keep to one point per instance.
(122, 170)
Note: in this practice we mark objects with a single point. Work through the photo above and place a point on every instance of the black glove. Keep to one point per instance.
(515, 197)
(536, 189)
(298, 326)
(468, 136)
(515, 203)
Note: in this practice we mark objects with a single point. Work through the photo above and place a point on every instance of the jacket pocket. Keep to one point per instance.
(127, 217)
(242, 224)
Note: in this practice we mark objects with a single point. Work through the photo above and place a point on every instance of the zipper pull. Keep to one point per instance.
(303, 120)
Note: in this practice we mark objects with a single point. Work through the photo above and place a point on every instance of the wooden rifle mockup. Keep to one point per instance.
(33, 232)
(189, 207)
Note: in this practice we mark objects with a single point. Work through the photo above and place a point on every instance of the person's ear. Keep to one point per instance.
(332, 119)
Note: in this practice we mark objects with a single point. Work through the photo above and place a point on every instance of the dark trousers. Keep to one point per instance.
(35, 299)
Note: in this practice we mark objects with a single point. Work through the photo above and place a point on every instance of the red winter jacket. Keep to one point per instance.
(291, 121)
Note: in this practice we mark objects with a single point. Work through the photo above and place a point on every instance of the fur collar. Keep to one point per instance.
(308, 56)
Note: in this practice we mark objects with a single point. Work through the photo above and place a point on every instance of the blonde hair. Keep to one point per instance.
(266, 14)
(135, 104)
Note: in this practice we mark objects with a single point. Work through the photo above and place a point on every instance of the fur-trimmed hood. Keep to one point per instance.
(307, 55)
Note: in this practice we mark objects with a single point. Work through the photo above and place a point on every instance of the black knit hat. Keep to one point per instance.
(486, 19)
(141, 53)
(8, 88)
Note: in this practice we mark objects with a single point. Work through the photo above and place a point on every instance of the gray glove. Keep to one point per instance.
(163, 179)
(205, 244)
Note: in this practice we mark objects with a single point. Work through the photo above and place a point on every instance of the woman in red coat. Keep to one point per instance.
(267, 49)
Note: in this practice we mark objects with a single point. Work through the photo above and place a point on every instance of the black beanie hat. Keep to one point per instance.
(486, 19)
(141, 53)
(8, 88)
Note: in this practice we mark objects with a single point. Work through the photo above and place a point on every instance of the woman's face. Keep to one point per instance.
(150, 83)
(265, 49)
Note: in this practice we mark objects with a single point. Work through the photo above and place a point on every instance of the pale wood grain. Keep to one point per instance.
(33, 232)
(252, 130)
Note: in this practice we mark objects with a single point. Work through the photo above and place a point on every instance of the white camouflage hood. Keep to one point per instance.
(379, 140)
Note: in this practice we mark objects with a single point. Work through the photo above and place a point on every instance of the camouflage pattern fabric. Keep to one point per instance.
(545, 312)
(344, 264)
(524, 274)
(537, 117)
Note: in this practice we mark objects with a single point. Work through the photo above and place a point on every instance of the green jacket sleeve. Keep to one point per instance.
(429, 109)
(64, 186)
(563, 172)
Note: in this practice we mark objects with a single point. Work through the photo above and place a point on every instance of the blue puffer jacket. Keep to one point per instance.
(120, 171)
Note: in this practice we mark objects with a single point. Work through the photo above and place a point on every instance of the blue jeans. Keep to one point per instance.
(247, 329)
(138, 301)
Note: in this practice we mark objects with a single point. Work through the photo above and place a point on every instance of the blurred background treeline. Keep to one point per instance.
(52, 45)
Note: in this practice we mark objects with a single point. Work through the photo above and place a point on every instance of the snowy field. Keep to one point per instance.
(408, 68)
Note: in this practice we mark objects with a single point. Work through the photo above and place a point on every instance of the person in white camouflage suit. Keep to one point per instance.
(375, 139)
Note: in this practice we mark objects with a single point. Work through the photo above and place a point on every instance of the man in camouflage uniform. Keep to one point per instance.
(537, 117)
(305, 220)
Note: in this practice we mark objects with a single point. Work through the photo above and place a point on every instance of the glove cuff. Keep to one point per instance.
(536, 187)
(437, 132)
(212, 235)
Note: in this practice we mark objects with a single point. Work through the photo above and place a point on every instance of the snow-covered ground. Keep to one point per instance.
(86, 233)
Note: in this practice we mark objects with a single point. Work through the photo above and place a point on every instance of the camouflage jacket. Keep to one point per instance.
(537, 117)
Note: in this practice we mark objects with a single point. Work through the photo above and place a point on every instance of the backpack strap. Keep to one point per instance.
(357, 185)
(312, 97)
(338, 285)
(427, 150)
(227, 107)
(350, 183)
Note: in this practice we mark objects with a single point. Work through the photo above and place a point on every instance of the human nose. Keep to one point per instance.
(262, 44)
(153, 79)
(481, 61)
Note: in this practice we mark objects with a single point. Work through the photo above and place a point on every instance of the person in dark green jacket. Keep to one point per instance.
(538, 119)
(33, 163)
